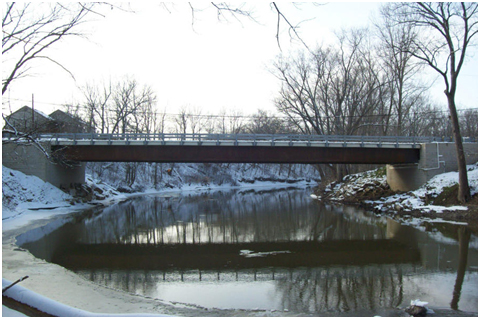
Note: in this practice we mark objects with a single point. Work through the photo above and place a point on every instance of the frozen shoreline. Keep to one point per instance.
(370, 191)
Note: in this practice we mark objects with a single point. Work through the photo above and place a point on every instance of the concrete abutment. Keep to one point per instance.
(31, 160)
(435, 158)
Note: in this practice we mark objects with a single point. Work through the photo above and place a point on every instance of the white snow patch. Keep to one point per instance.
(21, 193)
(423, 304)
(249, 253)
(55, 308)
(415, 200)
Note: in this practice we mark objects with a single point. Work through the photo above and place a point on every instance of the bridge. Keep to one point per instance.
(411, 161)
(236, 148)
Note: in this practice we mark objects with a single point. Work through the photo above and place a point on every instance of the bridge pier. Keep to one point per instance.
(435, 158)
(29, 160)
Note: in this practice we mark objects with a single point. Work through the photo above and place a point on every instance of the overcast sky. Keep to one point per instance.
(209, 65)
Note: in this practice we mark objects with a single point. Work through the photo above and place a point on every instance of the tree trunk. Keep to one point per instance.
(463, 189)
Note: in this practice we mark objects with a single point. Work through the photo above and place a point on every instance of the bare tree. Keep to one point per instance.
(29, 29)
(396, 44)
(96, 106)
(196, 120)
(182, 120)
(264, 122)
(469, 123)
(337, 90)
(130, 102)
(449, 29)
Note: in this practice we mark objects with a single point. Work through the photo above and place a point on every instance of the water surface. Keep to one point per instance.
(271, 250)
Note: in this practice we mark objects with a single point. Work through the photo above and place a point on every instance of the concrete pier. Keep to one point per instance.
(32, 161)
(435, 158)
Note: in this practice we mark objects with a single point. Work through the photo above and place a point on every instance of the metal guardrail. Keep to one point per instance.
(235, 139)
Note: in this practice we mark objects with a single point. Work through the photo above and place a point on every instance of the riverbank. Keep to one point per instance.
(436, 199)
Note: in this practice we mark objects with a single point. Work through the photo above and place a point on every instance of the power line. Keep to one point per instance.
(29, 101)
(296, 116)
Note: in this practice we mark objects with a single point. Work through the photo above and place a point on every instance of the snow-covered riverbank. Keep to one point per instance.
(370, 189)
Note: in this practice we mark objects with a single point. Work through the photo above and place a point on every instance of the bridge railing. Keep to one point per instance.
(163, 138)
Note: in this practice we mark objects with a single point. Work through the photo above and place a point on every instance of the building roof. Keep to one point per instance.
(26, 109)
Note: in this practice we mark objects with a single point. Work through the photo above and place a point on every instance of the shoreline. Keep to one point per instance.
(434, 201)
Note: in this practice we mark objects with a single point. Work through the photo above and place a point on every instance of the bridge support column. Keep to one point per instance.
(435, 158)
(29, 160)
(404, 177)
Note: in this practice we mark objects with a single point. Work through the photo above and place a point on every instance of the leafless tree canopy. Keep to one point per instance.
(29, 29)
(448, 30)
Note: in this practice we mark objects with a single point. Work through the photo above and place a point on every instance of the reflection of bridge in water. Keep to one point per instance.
(221, 256)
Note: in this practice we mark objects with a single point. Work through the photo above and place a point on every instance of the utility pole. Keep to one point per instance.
(33, 114)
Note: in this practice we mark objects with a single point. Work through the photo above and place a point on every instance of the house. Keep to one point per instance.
(28, 120)
(66, 123)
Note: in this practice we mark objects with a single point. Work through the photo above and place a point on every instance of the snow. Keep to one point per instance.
(21, 193)
(424, 304)
(7, 312)
(418, 303)
(415, 200)
(53, 307)
(249, 253)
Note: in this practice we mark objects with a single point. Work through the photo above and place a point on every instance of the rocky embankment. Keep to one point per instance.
(435, 199)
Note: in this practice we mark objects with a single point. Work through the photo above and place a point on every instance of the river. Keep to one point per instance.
(274, 250)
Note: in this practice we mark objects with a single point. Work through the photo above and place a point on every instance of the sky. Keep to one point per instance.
(201, 64)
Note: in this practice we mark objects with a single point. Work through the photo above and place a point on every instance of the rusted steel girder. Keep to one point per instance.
(238, 154)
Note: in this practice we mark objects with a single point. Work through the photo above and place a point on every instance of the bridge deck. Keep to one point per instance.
(239, 148)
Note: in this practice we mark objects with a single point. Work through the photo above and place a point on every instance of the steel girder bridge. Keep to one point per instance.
(236, 148)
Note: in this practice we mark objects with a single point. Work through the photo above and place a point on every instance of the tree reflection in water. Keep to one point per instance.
(228, 217)
(301, 290)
